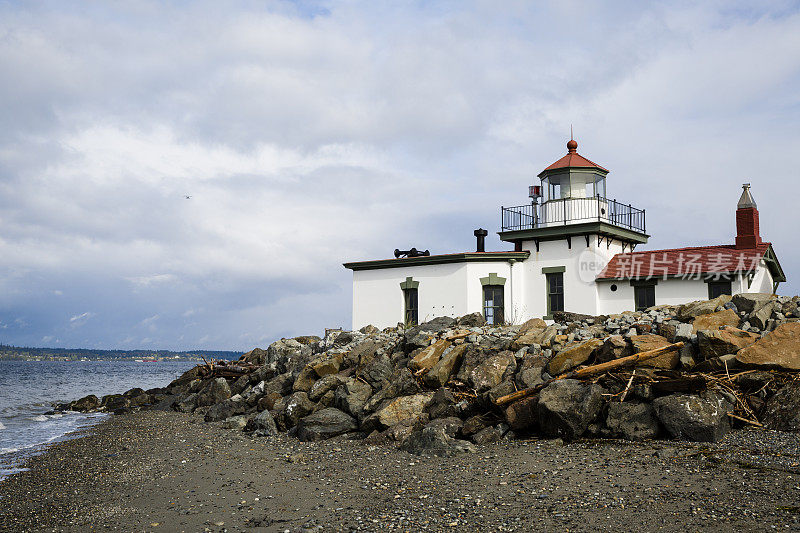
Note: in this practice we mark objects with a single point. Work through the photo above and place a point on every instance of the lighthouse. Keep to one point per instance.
(575, 249)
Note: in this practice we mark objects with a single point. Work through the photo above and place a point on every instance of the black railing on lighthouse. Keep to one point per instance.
(573, 210)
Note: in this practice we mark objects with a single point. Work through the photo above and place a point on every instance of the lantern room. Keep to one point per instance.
(573, 176)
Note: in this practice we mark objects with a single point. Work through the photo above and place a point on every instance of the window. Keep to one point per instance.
(644, 296)
(412, 307)
(718, 288)
(555, 292)
(553, 191)
(493, 304)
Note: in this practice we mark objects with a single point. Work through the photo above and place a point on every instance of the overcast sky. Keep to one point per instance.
(310, 134)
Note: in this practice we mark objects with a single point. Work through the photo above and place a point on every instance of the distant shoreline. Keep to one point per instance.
(18, 353)
(87, 360)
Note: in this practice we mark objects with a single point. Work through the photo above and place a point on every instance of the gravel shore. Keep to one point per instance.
(163, 471)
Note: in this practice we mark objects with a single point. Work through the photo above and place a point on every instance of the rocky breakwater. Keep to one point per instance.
(444, 386)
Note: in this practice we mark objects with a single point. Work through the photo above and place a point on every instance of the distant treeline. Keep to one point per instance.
(17, 352)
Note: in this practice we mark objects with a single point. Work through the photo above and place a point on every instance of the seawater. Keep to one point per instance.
(29, 389)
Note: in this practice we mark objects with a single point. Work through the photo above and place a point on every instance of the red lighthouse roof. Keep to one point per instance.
(573, 160)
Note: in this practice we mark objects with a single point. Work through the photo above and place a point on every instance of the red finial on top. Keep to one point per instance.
(572, 145)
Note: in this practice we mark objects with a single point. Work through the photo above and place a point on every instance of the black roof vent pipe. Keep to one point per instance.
(480, 235)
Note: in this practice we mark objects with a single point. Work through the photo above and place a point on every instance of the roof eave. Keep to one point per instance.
(468, 257)
(553, 169)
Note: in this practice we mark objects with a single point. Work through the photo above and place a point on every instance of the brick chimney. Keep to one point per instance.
(747, 232)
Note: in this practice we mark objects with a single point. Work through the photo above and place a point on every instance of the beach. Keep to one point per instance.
(164, 471)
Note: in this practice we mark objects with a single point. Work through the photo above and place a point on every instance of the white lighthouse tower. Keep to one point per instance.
(571, 235)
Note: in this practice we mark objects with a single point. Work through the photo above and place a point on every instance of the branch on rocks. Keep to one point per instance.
(627, 387)
(742, 419)
(593, 370)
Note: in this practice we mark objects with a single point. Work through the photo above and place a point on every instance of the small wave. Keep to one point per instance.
(39, 418)
(2, 426)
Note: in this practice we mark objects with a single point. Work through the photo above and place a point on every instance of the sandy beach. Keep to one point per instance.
(163, 471)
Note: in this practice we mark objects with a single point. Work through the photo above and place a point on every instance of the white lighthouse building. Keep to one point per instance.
(573, 250)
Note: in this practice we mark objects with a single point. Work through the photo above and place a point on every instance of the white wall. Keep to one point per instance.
(580, 289)
(674, 291)
(762, 281)
(671, 291)
(452, 289)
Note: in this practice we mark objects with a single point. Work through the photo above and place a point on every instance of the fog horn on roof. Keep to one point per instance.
(410, 253)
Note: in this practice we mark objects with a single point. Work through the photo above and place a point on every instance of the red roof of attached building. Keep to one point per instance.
(573, 160)
(678, 262)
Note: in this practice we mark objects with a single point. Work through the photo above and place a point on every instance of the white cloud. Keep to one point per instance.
(77, 321)
(306, 139)
(155, 279)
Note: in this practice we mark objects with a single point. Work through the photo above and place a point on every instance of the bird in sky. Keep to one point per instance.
(187, 197)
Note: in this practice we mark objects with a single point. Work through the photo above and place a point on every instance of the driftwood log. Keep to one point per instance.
(592, 370)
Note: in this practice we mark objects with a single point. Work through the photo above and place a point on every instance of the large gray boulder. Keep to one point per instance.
(328, 383)
(214, 392)
(351, 396)
(377, 372)
(262, 373)
(472, 357)
(140, 400)
(256, 356)
(116, 403)
(782, 411)
(324, 424)
(297, 406)
(523, 414)
(433, 441)
(401, 383)
(439, 375)
(254, 393)
(572, 356)
(530, 377)
(761, 315)
(491, 372)
(395, 411)
(614, 347)
(226, 409)
(701, 418)
(288, 355)
(472, 320)
(305, 379)
(235, 422)
(451, 425)
(748, 303)
(281, 384)
(567, 407)
(421, 335)
(632, 421)
(442, 405)
(263, 424)
(490, 434)
(701, 307)
(185, 403)
(87, 403)
(718, 342)
(181, 384)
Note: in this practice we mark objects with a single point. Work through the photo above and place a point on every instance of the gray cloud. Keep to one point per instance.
(310, 134)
